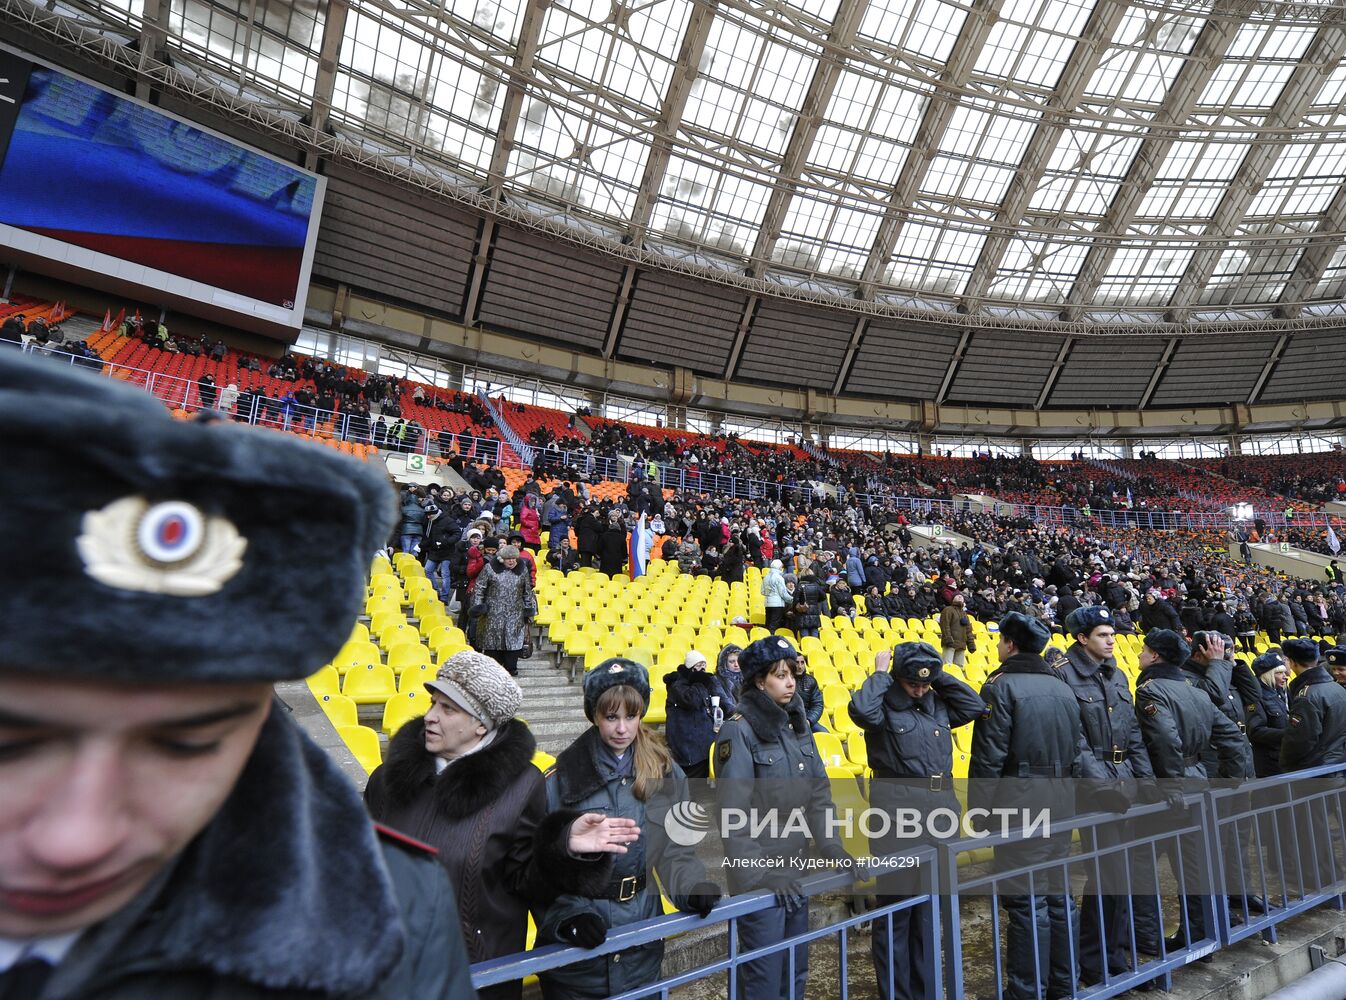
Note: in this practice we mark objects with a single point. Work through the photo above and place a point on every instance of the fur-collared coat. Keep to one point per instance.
(510, 603)
(575, 785)
(483, 813)
(287, 892)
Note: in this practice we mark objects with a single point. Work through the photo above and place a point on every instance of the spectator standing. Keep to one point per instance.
(507, 605)
(956, 635)
(774, 594)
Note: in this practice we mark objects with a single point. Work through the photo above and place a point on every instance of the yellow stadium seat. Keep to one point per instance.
(372, 685)
(397, 635)
(339, 710)
(359, 633)
(641, 654)
(402, 708)
(833, 753)
(658, 710)
(325, 681)
(415, 678)
(857, 750)
(353, 655)
(408, 654)
(542, 760)
(364, 744)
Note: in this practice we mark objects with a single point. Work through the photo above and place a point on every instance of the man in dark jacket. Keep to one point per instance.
(1114, 771)
(1209, 669)
(1156, 612)
(908, 709)
(612, 548)
(1179, 722)
(1315, 737)
(168, 830)
(1026, 748)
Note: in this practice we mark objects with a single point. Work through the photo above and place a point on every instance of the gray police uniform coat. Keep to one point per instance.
(909, 741)
(287, 892)
(765, 759)
(1217, 679)
(1316, 734)
(578, 783)
(1115, 756)
(1180, 725)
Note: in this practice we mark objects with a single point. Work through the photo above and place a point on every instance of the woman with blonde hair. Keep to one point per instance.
(621, 769)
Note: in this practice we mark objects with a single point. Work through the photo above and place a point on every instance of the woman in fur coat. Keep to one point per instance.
(690, 728)
(462, 780)
(505, 603)
(624, 770)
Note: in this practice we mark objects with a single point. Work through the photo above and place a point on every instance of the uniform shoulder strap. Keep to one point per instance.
(399, 839)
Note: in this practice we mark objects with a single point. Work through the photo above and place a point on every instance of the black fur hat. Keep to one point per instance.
(1029, 635)
(1169, 645)
(610, 673)
(145, 548)
(919, 662)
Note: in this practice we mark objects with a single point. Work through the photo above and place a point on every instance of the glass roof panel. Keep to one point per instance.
(1032, 39)
(424, 82)
(926, 28)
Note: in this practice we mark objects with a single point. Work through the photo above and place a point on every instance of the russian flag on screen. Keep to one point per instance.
(640, 544)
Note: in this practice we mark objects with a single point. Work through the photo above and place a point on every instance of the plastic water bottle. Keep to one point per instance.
(716, 712)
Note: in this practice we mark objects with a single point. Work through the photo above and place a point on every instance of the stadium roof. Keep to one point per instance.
(1039, 158)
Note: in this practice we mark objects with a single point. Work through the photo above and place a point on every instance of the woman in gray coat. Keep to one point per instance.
(504, 605)
(620, 769)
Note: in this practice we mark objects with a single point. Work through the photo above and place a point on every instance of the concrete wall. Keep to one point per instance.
(1295, 561)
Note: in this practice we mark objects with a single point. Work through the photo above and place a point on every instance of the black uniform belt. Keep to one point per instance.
(1043, 770)
(626, 888)
(1117, 755)
(937, 782)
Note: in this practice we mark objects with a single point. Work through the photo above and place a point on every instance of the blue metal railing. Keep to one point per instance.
(516, 441)
(729, 912)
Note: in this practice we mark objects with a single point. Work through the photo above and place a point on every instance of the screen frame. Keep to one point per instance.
(45, 255)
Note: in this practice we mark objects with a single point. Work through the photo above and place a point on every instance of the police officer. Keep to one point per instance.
(166, 828)
(765, 760)
(1210, 668)
(1026, 748)
(1113, 771)
(908, 710)
(1336, 663)
(1268, 716)
(1315, 737)
(1178, 723)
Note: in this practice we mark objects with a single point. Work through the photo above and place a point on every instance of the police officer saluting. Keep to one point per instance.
(1315, 737)
(1209, 668)
(1025, 752)
(765, 760)
(1178, 722)
(908, 709)
(1111, 771)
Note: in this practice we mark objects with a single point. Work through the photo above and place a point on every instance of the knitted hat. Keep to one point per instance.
(1029, 635)
(760, 654)
(507, 552)
(1085, 620)
(918, 662)
(178, 541)
(1168, 645)
(1300, 650)
(479, 686)
(693, 658)
(609, 674)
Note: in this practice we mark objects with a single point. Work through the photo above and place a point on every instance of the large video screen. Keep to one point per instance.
(86, 167)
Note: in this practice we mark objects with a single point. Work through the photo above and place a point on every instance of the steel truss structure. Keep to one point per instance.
(1078, 167)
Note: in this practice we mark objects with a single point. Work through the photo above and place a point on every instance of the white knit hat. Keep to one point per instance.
(479, 686)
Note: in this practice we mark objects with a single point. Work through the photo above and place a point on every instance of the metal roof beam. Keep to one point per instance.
(1312, 263)
(1078, 71)
(329, 55)
(1318, 63)
(958, 71)
(946, 383)
(1211, 45)
(741, 337)
(1281, 343)
(525, 50)
(810, 118)
(690, 54)
(1057, 366)
(1169, 349)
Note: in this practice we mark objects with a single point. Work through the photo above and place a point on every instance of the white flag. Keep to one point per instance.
(1333, 542)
